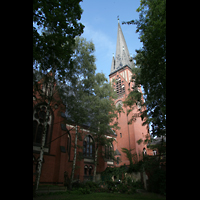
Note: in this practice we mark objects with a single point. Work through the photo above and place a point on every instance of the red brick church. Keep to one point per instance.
(59, 151)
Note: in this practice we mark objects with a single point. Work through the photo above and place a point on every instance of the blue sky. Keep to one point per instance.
(100, 20)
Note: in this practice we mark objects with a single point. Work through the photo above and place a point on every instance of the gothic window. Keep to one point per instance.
(120, 134)
(119, 103)
(39, 116)
(117, 160)
(85, 170)
(47, 88)
(108, 151)
(90, 170)
(119, 88)
(144, 151)
(88, 146)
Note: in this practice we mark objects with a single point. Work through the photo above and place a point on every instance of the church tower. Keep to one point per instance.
(128, 135)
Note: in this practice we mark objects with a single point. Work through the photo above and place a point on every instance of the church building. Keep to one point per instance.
(129, 134)
(59, 145)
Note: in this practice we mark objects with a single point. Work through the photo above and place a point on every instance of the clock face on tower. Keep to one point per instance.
(119, 103)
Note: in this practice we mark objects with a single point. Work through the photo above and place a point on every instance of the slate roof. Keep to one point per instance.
(88, 124)
(122, 56)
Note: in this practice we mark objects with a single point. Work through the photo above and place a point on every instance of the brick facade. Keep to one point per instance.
(128, 135)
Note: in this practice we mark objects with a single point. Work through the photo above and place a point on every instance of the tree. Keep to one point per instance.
(44, 92)
(133, 159)
(88, 98)
(103, 114)
(77, 94)
(151, 65)
(73, 94)
(53, 50)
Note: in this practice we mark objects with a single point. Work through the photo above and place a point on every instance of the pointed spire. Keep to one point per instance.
(113, 64)
(122, 56)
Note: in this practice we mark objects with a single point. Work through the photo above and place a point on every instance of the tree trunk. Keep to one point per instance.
(95, 164)
(74, 160)
(38, 172)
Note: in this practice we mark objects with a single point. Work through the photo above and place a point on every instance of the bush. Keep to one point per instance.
(137, 184)
(77, 185)
(84, 191)
(157, 182)
(110, 185)
(123, 188)
(91, 185)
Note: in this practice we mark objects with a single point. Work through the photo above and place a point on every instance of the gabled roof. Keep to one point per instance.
(87, 124)
(122, 56)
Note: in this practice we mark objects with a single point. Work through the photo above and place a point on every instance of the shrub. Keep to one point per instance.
(91, 185)
(77, 185)
(137, 184)
(110, 185)
(123, 188)
(84, 191)
(157, 182)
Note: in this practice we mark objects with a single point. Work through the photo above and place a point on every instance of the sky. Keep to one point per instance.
(100, 20)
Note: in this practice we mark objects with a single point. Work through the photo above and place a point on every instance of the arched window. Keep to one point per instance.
(85, 170)
(119, 87)
(47, 88)
(144, 151)
(88, 146)
(120, 134)
(90, 170)
(39, 115)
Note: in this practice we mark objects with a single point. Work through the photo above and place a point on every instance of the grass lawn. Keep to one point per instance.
(100, 196)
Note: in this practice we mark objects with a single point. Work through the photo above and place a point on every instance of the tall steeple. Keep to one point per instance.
(122, 56)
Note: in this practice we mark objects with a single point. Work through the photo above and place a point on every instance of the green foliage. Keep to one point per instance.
(115, 171)
(52, 50)
(92, 186)
(137, 184)
(110, 185)
(127, 188)
(134, 166)
(78, 93)
(157, 182)
(128, 155)
(122, 188)
(151, 65)
(156, 174)
(84, 191)
(139, 141)
(85, 188)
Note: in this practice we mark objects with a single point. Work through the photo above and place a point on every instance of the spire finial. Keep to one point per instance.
(118, 18)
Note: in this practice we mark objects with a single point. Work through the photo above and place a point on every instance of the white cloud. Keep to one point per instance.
(103, 44)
